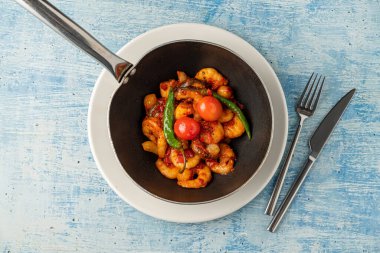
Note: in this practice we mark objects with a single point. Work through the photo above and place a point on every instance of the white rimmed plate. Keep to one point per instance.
(108, 162)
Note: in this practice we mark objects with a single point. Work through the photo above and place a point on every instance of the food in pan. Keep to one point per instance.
(190, 127)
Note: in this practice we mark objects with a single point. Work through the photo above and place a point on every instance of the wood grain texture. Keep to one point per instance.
(52, 197)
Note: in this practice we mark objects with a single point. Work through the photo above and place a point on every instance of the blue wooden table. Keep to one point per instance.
(52, 196)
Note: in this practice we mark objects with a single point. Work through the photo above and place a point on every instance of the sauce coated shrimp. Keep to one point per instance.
(197, 177)
(182, 94)
(177, 160)
(205, 151)
(211, 132)
(152, 129)
(226, 161)
(165, 86)
(183, 109)
(168, 170)
(227, 115)
(233, 128)
(211, 76)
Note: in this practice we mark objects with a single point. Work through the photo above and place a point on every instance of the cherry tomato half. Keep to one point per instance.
(186, 128)
(209, 108)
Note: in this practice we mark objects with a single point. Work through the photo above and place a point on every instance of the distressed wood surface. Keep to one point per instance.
(53, 198)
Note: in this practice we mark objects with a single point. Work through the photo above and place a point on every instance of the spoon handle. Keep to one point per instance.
(71, 31)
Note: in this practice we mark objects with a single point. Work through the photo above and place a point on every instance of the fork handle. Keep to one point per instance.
(281, 177)
(277, 218)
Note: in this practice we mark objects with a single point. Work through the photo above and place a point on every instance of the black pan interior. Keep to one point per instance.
(127, 112)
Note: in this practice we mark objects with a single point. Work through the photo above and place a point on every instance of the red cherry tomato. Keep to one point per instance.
(186, 128)
(209, 108)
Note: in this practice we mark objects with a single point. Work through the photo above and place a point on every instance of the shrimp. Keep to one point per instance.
(226, 116)
(203, 150)
(211, 76)
(169, 171)
(176, 158)
(211, 132)
(195, 83)
(225, 91)
(153, 130)
(198, 84)
(213, 150)
(226, 160)
(149, 101)
(165, 86)
(182, 77)
(183, 109)
(157, 109)
(150, 146)
(196, 177)
(233, 128)
(182, 94)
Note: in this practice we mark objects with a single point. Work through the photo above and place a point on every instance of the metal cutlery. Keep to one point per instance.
(305, 108)
(316, 143)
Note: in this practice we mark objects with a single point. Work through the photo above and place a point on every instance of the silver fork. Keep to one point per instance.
(305, 108)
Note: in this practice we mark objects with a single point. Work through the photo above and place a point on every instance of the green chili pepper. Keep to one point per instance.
(168, 122)
(236, 110)
(168, 126)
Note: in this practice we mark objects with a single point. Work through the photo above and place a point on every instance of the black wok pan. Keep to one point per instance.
(126, 110)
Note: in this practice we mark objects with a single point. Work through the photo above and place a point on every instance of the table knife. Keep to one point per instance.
(316, 144)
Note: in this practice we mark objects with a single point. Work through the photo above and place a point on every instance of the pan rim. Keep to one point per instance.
(108, 160)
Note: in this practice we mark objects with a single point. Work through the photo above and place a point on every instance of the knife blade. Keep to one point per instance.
(325, 128)
(317, 141)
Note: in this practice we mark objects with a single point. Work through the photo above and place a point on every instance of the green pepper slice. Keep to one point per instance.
(168, 122)
(168, 127)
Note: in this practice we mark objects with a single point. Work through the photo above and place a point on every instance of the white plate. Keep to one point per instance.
(114, 173)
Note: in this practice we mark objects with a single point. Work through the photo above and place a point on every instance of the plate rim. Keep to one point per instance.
(106, 159)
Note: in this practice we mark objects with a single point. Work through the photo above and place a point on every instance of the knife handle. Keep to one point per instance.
(290, 195)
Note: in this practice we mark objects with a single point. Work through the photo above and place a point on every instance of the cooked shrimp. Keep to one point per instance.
(157, 110)
(225, 91)
(182, 77)
(213, 150)
(176, 158)
(150, 146)
(233, 128)
(196, 177)
(226, 160)
(149, 101)
(198, 84)
(211, 76)
(183, 109)
(226, 116)
(169, 171)
(191, 82)
(165, 86)
(153, 130)
(182, 94)
(211, 132)
(203, 150)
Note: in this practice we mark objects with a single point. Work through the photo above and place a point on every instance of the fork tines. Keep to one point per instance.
(308, 100)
